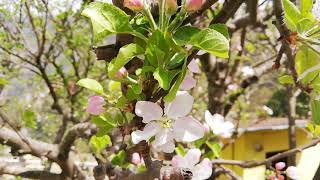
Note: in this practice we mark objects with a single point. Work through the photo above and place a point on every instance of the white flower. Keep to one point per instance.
(268, 110)
(218, 125)
(199, 171)
(292, 172)
(189, 82)
(173, 125)
(247, 71)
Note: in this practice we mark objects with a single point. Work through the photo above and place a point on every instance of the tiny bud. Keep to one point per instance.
(171, 6)
(280, 165)
(292, 38)
(134, 5)
(193, 5)
(135, 158)
(308, 89)
(122, 73)
(276, 65)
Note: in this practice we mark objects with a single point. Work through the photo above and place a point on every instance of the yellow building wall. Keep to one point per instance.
(244, 148)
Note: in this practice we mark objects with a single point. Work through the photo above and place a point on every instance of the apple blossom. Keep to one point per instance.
(292, 172)
(95, 105)
(206, 128)
(189, 82)
(247, 71)
(280, 165)
(193, 5)
(121, 73)
(200, 171)
(219, 126)
(193, 66)
(136, 158)
(173, 125)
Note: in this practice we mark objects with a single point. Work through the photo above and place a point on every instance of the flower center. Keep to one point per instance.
(166, 122)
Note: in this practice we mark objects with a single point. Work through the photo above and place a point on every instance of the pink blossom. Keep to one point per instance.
(173, 125)
(134, 5)
(219, 126)
(200, 171)
(188, 83)
(122, 73)
(136, 158)
(194, 66)
(206, 128)
(280, 165)
(95, 105)
(193, 5)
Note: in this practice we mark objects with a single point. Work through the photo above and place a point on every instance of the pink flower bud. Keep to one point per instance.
(136, 158)
(171, 6)
(280, 165)
(121, 73)
(193, 5)
(280, 177)
(134, 5)
(95, 105)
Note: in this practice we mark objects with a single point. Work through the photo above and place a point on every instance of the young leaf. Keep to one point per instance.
(306, 7)
(286, 79)
(126, 53)
(91, 84)
(119, 158)
(164, 77)
(292, 14)
(99, 143)
(221, 28)
(106, 19)
(174, 89)
(184, 34)
(215, 148)
(29, 119)
(180, 150)
(157, 48)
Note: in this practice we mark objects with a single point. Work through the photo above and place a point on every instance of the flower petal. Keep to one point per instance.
(149, 130)
(168, 147)
(226, 129)
(162, 137)
(178, 161)
(292, 172)
(95, 105)
(187, 129)
(188, 83)
(212, 121)
(148, 111)
(203, 170)
(194, 66)
(192, 157)
(180, 106)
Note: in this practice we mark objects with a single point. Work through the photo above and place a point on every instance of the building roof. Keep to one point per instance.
(270, 124)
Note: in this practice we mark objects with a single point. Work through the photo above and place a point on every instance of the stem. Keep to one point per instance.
(150, 18)
(162, 12)
(139, 35)
(178, 20)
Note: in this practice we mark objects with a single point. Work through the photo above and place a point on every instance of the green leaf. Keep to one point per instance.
(164, 77)
(157, 48)
(184, 34)
(3, 81)
(176, 60)
(91, 84)
(126, 53)
(305, 59)
(106, 19)
(221, 28)
(215, 148)
(304, 26)
(121, 102)
(29, 119)
(211, 41)
(99, 143)
(306, 7)
(292, 14)
(174, 89)
(137, 88)
(315, 110)
(286, 79)
(119, 159)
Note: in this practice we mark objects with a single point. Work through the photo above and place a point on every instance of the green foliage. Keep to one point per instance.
(164, 77)
(106, 20)
(292, 14)
(215, 148)
(91, 84)
(99, 143)
(120, 159)
(126, 53)
(180, 150)
(29, 119)
(286, 79)
(315, 109)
